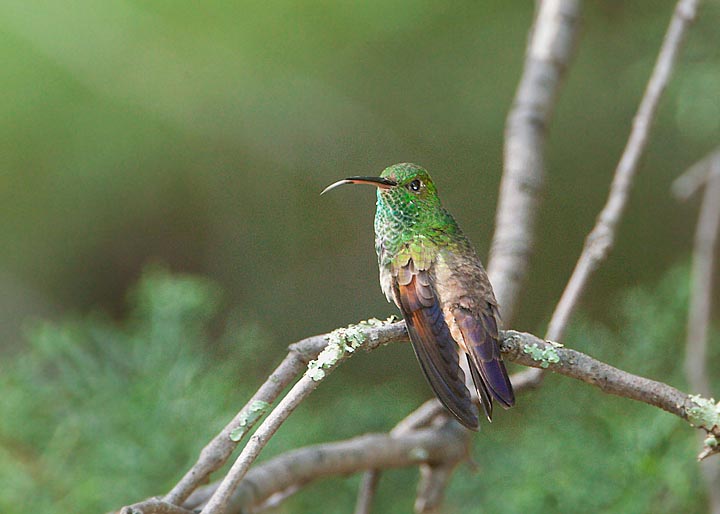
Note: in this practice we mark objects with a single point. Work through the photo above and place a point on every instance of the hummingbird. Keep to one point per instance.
(429, 269)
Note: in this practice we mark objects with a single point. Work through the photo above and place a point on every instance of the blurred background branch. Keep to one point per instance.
(707, 231)
(600, 240)
(551, 43)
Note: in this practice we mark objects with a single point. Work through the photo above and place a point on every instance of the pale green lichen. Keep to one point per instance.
(255, 411)
(704, 412)
(341, 342)
(711, 442)
(419, 454)
(545, 356)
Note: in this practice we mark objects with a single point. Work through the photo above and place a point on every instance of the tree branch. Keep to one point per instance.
(339, 345)
(549, 50)
(529, 350)
(219, 449)
(601, 239)
(302, 466)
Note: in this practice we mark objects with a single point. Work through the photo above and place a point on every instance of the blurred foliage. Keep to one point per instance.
(98, 413)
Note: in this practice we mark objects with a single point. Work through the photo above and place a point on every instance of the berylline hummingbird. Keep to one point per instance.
(432, 273)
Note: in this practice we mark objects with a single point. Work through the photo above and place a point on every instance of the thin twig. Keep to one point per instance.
(276, 499)
(419, 418)
(367, 491)
(434, 479)
(547, 57)
(600, 240)
(700, 309)
(695, 177)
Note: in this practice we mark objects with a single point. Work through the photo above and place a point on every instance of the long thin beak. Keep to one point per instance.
(379, 182)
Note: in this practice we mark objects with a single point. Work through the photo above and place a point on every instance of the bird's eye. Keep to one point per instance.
(415, 185)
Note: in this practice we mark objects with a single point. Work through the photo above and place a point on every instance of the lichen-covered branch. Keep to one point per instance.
(339, 344)
(549, 50)
(530, 350)
(214, 455)
(218, 450)
(522, 348)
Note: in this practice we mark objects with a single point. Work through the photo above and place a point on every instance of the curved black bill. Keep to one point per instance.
(379, 182)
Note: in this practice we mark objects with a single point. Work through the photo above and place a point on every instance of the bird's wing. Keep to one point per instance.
(432, 341)
(470, 311)
(479, 329)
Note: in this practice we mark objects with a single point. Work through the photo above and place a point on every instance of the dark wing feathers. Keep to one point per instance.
(435, 349)
(480, 333)
(481, 388)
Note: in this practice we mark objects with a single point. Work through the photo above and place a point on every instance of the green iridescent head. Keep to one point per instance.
(409, 219)
(398, 184)
(413, 183)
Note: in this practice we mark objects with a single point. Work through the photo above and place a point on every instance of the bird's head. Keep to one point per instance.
(399, 185)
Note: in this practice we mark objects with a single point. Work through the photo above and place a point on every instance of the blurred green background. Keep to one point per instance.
(198, 136)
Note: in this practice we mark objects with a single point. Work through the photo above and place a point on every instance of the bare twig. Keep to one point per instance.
(275, 500)
(695, 177)
(549, 50)
(600, 240)
(419, 418)
(700, 309)
(367, 491)
(434, 479)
